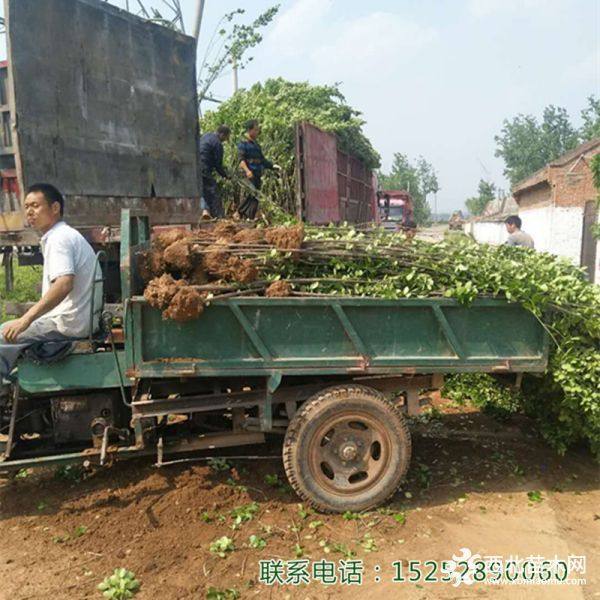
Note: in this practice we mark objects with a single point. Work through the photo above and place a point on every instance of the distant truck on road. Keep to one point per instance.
(456, 221)
(395, 209)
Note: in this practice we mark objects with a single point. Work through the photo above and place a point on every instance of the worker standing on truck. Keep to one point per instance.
(252, 163)
(63, 312)
(211, 159)
(516, 236)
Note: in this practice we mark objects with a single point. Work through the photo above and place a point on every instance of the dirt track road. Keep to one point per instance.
(59, 539)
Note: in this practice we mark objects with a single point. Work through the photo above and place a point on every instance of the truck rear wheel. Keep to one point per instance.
(347, 448)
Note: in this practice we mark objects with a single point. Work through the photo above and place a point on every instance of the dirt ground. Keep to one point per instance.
(492, 488)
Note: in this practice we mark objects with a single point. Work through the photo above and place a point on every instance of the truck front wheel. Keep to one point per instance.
(346, 449)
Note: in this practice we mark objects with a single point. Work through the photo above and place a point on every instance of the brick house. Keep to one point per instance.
(558, 207)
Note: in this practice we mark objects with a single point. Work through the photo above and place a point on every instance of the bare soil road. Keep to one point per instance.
(492, 488)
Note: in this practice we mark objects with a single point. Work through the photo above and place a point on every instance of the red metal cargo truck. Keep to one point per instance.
(332, 186)
(395, 209)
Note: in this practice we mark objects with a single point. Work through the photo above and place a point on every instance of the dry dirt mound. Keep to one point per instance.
(175, 298)
(224, 252)
(160, 291)
(285, 238)
(178, 256)
(279, 289)
(249, 236)
(186, 305)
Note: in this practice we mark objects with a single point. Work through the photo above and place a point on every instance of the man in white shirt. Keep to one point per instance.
(63, 312)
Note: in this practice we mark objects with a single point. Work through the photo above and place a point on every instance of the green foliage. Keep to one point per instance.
(257, 542)
(229, 594)
(423, 474)
(244, 513)
(486, 192)
(72, 473)
(219, 464)
(483, 391)
(535, 496)
(565, 401)
(350, 516)
(27, 282)
(590, 116)
(79, 531)
(272, 480)
(418, 178)
(222, 546)
(368, 543)
(527, 145)
(228, 45)
(121, 585)
(400, 518)
(278, 105)
(343, 549)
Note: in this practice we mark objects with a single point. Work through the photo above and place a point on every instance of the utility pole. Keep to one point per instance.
(235, 75)
(198, 18)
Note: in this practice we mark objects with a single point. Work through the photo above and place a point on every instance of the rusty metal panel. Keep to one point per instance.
(104, 102)
(332, 186)
(355, 190)
(317, 166)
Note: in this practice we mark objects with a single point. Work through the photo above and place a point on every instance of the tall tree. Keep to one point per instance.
(419, 179)
(590, 116)
(527, 145)
(486, 191)
(228, 46)
(557, 133)
(279, 104)
(428, 177)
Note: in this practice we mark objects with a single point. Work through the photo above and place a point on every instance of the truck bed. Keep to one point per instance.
(257, 336)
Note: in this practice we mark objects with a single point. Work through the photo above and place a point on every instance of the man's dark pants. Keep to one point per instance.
(211, 197)
(249, 206)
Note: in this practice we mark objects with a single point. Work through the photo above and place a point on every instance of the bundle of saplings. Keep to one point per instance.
(186, 270)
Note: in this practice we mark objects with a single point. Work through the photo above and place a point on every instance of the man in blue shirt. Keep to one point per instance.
(252, 163)
(211, 159)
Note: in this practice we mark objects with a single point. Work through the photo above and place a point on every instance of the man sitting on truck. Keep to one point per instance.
(211, 159)
(516, 236)
(252, 163)
(63, 312)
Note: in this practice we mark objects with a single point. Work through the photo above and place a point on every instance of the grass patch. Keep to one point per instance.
(27, 282)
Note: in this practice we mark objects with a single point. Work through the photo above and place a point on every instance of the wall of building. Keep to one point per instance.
(535, 197)
(573, 184)
(557, 230)
(487, 232)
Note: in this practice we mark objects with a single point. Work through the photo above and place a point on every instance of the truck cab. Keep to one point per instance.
(395, 209)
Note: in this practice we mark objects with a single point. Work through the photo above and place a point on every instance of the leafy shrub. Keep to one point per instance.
(121, 585)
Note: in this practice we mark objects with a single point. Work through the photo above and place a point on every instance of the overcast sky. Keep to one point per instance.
(431, 77)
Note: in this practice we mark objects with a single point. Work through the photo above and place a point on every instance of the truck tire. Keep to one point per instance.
(347, 448)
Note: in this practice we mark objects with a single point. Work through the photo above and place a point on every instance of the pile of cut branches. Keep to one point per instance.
(187, 270)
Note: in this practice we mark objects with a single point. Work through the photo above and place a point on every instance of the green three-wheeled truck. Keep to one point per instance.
(334, 376)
